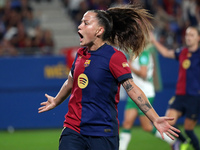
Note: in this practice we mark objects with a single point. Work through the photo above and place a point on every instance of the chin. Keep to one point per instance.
(81, 44)
(188, 44)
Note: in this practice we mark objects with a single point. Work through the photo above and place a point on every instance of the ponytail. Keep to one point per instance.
(126, 27)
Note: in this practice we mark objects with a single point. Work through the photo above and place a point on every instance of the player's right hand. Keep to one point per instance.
(48, 105)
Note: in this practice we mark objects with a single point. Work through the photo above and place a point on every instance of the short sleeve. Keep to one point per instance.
(119, 66)
(73, 66)
(144, 59)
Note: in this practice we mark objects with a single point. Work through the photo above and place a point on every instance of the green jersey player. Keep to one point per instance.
(142, 69)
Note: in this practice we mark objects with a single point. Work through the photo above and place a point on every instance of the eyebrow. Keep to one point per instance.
(83, 20)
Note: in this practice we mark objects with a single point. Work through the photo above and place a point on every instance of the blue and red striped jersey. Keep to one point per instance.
(92, 108)
(189, 72)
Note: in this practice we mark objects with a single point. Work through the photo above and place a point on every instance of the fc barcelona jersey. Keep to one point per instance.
(92, 108)
(189, 72)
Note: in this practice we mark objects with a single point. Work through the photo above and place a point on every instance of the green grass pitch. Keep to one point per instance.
(47, 139)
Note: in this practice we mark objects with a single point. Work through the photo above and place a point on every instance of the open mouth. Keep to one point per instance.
(81, 36)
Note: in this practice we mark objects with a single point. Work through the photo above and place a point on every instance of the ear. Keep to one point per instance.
(100, 31)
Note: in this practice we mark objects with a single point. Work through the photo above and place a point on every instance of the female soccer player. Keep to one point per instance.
(91, 122)
(187, 99)
(142, 71)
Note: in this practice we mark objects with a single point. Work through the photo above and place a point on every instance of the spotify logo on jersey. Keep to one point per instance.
(82, 81)
(186, 64)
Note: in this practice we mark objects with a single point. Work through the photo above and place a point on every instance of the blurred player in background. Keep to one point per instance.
(91, 122)
(186, 102)
(142, 71)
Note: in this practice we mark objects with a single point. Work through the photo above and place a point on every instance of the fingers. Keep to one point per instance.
(43, 103)
(171, 127)
(175, 129)
(169, 118)
(169, 135)
(41, 109)
(172, 133)
(162, 135)
(46, 95)
(48, 105)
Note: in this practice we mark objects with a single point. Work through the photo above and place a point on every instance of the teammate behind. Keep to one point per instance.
(187, 99)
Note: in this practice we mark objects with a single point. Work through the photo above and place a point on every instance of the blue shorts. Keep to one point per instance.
(188, 105)
(71, 140)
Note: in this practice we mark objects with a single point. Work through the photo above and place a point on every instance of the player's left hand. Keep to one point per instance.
(163, 126)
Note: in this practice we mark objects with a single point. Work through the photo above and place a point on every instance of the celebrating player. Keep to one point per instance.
(91, 122)
(187, 99)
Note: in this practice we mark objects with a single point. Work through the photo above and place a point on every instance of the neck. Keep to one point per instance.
(94, 46)
(193, 48)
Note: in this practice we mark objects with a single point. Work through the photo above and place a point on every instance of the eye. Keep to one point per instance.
(86, 23)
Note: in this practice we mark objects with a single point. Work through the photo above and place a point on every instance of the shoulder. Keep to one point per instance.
(145, 54)
(118, 56)
(109, 49)
(181, 49)
(180, 52)
(112, 52)
(144, 58)
(118, 52)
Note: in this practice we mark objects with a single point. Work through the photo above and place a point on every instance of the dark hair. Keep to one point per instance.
(126, 27)
(105, 20)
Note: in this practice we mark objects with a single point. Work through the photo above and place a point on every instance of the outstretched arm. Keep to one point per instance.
(161, 123)
(52, 102)
(162, 49)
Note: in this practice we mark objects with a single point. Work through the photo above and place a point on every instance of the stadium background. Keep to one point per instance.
(28, 71)
(25, 80)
